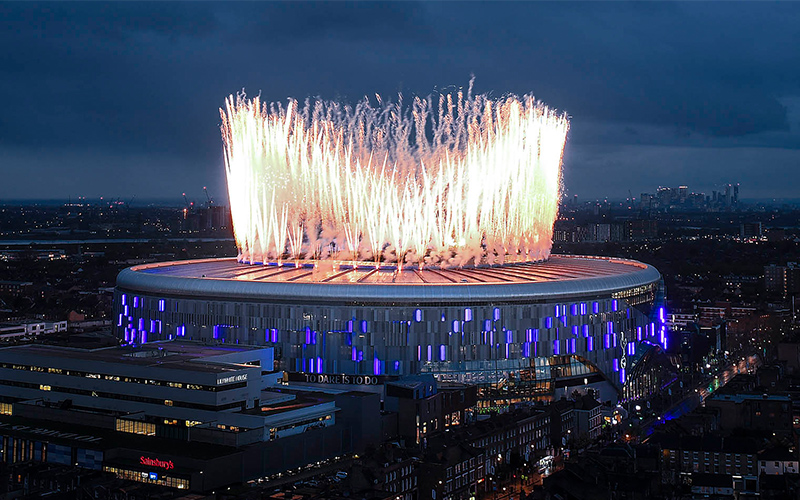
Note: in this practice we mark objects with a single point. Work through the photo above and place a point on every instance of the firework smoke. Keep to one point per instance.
(453, 181)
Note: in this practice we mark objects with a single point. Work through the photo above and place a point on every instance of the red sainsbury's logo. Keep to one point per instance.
(154, 462)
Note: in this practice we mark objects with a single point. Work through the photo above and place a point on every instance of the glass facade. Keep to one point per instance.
(534, 345)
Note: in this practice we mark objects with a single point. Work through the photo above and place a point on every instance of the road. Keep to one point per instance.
(701, 392)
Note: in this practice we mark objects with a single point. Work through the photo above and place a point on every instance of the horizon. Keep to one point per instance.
(177, 202)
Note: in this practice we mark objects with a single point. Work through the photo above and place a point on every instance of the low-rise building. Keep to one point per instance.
(677, 320)
(708, 454)
(451, 470)
(522, 434)
(562, 423)
(588, 421)
(389, 468)
(15, 288)
(30, 328)
(178, 414)
(753, 411)
(425, 408)
(777, 462)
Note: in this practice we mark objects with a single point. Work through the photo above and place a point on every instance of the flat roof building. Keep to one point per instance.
(13, 330)
(180, 414)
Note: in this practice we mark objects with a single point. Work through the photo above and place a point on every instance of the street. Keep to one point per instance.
(699, 394)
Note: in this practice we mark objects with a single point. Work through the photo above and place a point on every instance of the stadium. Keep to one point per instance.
(392, 241)
(519, 331)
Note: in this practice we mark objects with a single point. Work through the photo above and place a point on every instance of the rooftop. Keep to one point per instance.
(778, 453)
(101, 438)
(289, 402)
(171, 355)
(586, 403)
(559, 276)
(740, 398)
(707, 442)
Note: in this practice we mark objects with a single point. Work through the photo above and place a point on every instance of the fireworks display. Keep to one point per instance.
(455, 180)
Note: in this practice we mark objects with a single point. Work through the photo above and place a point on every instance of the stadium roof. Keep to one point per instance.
(559, 277)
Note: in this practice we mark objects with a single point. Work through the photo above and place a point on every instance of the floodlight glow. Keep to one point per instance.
(471, 180)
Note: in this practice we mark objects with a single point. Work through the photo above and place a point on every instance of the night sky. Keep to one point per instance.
(122, 99)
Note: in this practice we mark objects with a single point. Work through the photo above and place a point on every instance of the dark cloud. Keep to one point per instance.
(710, 68)
(106, 85)
(113, 21)
(304, 23)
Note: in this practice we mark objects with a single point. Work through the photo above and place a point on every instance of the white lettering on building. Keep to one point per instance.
(232, 379)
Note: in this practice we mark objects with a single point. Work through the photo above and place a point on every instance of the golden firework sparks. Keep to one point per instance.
(454, 181)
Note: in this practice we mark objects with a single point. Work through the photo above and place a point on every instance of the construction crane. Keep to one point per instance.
(189, 204)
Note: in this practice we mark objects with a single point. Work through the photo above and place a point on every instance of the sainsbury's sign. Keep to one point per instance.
(154, 462)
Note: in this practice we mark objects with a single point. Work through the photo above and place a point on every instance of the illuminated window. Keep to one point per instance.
(151, 478)
(136, 427)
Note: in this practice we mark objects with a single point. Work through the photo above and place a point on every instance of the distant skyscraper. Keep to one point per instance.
(664, 197)
(728, 196)
(645, 201)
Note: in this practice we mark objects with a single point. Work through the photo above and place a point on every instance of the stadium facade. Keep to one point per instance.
(519, 331)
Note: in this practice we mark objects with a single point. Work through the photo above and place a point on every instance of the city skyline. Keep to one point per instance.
(104, 92)
(207, 198)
